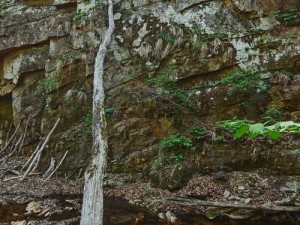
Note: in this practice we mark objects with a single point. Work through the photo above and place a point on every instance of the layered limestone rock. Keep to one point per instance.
(47, 50)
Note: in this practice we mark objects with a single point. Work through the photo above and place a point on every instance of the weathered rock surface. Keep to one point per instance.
(47, 50)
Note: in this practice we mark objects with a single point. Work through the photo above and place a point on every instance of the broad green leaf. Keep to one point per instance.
(257, 128)
(240, 132)
(245, 127)
(292, 128)
(271, 127)
(253, 135)
(286, 124)
(274, 134)
(275, 126)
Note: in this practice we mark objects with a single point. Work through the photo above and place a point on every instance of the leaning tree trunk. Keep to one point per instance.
(92, 208)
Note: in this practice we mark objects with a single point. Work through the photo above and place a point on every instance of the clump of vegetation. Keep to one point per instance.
(234, 124)
(256, 31)
(176, 142)
(198, 133)
(168, 37)
(178, 158)
(166, 84)
(67, 56)
(242, 80)
(199, 37)
(109, 111)
(269, 40)
(88, 121)
(297, 151)
(273, 114)
(46, 85)
(288, 16)
(251, 130)
(198, 44)
(79, 17)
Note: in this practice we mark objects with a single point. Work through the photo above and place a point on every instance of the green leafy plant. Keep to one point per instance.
(166, 84)
(198, 30)
(79, 17)
(198, 133)
(288, 16)
(178, 157)
(242, 80)
(286, 126)
(251, 130)
(88, 121)
(273, 114)
(176, 142)
(46, 85)
(109, 111)
(256, 31)
(234, 124)
(168, 37)
(268, 41)
(219, 138)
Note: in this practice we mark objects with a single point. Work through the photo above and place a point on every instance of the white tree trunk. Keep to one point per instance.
(92, 207)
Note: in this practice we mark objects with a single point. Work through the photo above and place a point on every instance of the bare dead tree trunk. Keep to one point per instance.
(92, 207)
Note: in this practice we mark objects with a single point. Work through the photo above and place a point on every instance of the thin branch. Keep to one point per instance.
(11, 178)
(39, 152)
(14, 149)
(7, 144)
(10, 127)
(37, 161)
(78, 176)
(60, 162)
(50, 168)
(24, 135)
(31, 157)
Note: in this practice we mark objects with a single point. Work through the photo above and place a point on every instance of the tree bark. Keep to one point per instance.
(92, 208)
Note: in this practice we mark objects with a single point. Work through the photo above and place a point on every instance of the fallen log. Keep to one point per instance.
(181, 200)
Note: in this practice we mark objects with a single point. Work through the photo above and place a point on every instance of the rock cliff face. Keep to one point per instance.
(165, 72)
